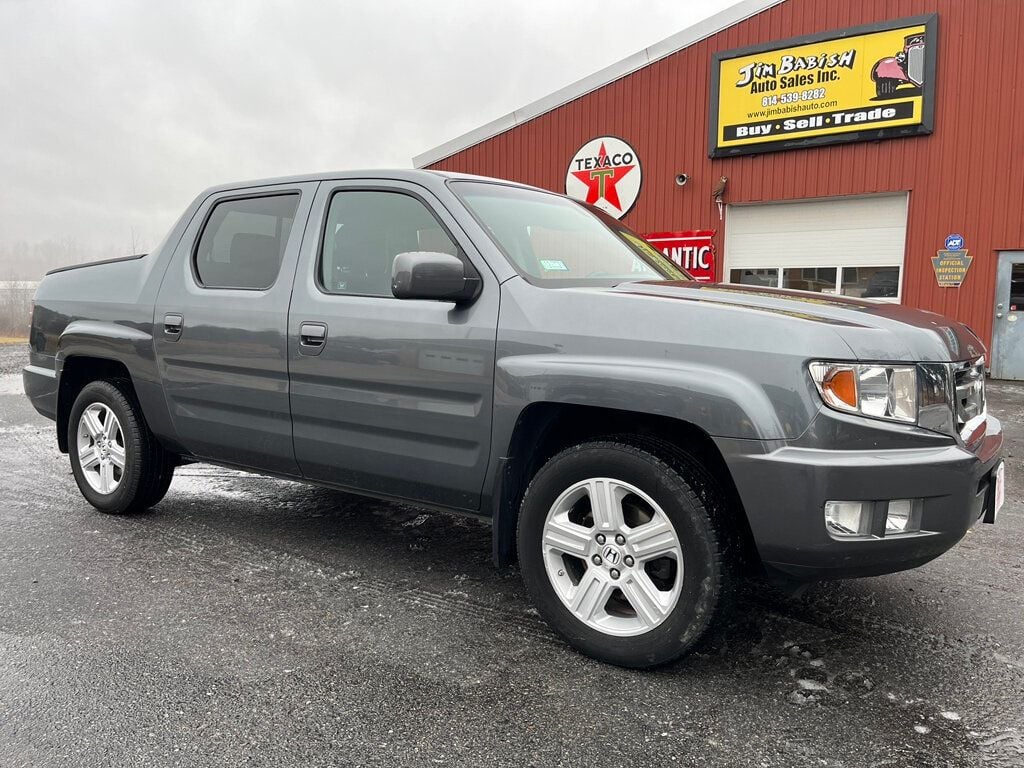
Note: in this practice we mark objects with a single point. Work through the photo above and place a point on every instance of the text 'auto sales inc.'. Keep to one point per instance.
(857, 154)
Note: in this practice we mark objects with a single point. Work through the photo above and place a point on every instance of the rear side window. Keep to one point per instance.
(243, 242)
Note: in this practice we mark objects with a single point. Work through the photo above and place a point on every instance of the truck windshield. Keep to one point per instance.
(557, 242)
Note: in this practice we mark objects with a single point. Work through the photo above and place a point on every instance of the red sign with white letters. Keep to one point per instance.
(692, 250)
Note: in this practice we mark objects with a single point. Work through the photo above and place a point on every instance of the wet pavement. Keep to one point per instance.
(250, 621)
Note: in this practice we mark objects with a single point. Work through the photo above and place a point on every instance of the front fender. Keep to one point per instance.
(889, 68)
(720, 402)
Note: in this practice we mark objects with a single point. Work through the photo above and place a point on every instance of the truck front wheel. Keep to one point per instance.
(886, 86)
(119, 466)
(622, 549)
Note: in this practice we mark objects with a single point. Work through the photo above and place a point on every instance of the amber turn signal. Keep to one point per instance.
(841, 385)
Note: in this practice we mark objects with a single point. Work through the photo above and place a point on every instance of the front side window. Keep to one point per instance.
(365, 230)
(243, 242)
(554, 241)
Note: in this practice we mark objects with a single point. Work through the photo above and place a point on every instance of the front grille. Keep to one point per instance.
(969, 397)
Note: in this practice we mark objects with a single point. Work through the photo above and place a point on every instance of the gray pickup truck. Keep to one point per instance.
(637, 439)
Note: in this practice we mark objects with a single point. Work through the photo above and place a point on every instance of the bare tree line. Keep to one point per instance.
(23, 264)
(30, 261)
(15, 308)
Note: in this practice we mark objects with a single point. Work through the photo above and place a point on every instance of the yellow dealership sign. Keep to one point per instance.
(859, 84)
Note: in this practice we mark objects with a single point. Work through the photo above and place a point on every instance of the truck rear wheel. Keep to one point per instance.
(119, 466)
(621, 550)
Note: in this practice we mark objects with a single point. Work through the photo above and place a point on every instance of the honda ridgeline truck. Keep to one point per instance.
(634, 437)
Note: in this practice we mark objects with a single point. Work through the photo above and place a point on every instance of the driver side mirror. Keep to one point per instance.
(433, 276)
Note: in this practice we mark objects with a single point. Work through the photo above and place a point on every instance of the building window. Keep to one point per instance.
(871, 282)
(817, 279)
(764, 277)
(880, 282)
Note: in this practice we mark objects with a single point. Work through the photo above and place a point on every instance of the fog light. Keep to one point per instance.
(902, 517)
(847, 518)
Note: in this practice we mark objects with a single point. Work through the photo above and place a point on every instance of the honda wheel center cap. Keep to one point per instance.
(611, 555)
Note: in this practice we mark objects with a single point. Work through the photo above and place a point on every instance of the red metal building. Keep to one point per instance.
(839, 215)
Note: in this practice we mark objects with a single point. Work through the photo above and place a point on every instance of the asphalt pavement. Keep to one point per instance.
(250, 621)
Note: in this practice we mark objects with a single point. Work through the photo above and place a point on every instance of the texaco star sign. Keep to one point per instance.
(605, 172)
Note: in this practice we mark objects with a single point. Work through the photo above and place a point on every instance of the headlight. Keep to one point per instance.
(879, 391)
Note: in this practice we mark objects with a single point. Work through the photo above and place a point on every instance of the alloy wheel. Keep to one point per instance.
(613, 556)
(101, 448)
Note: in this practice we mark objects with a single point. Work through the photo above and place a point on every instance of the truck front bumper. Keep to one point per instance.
(784, 491)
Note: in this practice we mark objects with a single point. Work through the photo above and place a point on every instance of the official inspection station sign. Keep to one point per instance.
(951, 268)
(858, 84)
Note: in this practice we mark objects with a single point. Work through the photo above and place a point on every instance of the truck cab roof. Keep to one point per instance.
(422, 177)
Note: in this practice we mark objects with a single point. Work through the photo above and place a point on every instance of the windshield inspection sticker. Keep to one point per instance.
(553, 265)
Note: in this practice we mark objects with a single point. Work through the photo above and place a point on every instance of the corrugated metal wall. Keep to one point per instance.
(967, 177)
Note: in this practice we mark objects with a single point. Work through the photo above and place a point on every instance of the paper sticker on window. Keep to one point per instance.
(553, 265)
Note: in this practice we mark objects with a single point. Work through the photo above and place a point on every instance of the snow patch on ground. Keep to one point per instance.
(13, 357)
(811, 685)
(19, 429)
(10, 384)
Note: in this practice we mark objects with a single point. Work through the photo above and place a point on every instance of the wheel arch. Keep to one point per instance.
(76, 371)
(545, 428)
(92, 349)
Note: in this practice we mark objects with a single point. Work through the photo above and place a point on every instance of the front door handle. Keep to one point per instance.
(312, 338)
(173, 323)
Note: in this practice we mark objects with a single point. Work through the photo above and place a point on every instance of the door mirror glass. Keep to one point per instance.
(433, 276)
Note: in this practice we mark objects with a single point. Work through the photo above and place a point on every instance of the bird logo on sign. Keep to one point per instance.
(718, 194)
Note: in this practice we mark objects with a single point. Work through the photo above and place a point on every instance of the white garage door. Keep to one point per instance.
(851, 246)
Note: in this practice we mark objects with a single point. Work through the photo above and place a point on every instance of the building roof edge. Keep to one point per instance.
(702, 30)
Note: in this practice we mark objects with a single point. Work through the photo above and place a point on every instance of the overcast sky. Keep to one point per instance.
(114, 115)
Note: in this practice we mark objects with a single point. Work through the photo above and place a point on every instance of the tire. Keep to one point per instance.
(161, 487)
(96, 445)
(654, 483)
(885, 87)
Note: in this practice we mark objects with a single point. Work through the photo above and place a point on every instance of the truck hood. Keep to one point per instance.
(874, 330)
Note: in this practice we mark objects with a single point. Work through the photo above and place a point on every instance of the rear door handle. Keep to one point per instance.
(312, 338)
(173, 323)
